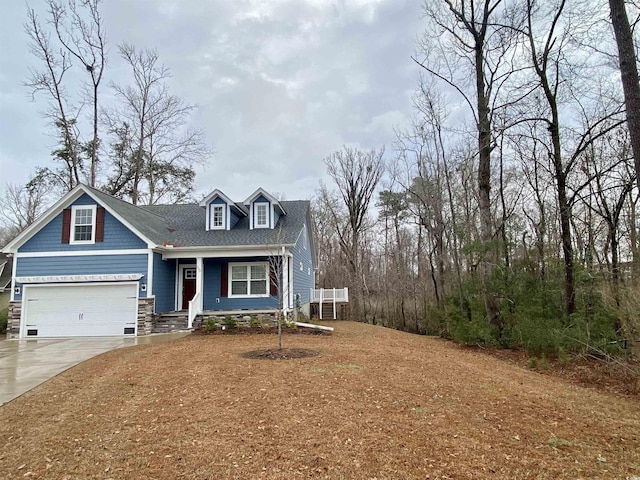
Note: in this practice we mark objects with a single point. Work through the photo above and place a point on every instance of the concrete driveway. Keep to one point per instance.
(25, 364)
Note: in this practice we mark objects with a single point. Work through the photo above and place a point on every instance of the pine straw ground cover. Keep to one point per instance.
(373, 404)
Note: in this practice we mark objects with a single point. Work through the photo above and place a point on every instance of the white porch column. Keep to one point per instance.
(199, 284)
(284, 280)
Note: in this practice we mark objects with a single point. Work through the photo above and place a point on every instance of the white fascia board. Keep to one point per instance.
(56, 209)
(217, 193)
(222, 252)
(265, 194)
(212, 195)
(112, 277)
(81, 253)
(42, 220)
(117, 216)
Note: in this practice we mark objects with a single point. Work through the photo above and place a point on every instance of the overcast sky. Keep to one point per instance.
(278, 85)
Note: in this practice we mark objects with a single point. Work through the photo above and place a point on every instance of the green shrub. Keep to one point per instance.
(254, 322)
(230, 322)
(4, 315)
(211, 324)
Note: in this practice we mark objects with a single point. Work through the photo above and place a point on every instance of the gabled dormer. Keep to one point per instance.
(264, 210)
(221, 212)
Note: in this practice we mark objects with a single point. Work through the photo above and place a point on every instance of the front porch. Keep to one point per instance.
(241, 285)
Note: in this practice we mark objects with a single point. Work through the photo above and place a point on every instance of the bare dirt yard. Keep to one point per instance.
(373, 404)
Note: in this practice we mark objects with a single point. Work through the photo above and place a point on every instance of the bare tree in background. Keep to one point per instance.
(49, 80)
(356, 175)
(472, 39)
(81, 33)
(21, 205)
(153, 153)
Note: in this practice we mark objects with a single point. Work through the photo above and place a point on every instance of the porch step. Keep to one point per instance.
(170, 322)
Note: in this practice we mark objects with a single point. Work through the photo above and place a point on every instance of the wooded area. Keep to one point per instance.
(506, 214)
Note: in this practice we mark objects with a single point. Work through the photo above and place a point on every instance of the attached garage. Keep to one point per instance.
(79, 310)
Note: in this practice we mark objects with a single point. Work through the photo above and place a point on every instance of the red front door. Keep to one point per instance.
(188, 286)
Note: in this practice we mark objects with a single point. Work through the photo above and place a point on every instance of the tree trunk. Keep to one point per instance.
(628, 75)
(484, 191)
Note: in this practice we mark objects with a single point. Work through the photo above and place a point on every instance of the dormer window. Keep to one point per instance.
(217, 217)
(262, 215)
(83, 224)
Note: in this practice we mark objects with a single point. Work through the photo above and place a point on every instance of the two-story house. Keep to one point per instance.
(95, 265)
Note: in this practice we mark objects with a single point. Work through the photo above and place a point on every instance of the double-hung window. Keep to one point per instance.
(249, 279)
(262, 215)
(217, 217)
(83, 224)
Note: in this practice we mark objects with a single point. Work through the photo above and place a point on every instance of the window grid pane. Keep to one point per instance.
(217, 216)
(238, 287)
(239, 272)
(258, 272)
(258, 287)
(82, 232)
(261, 214)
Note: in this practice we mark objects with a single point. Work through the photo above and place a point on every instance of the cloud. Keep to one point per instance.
(278, 85)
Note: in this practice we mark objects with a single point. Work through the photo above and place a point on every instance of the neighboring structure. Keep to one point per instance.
(95, 265)
(6, 265)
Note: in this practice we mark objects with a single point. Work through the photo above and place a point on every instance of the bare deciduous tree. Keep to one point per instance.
(356, 175)
(153, 153)
(81, 34)
(49, 79)
(474, 35)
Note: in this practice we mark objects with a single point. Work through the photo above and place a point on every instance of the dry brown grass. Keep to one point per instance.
(375, 403)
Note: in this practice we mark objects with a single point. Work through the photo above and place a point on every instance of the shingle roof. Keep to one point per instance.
(184, 225)
(188, 220)
(154, 227)
(5, 271)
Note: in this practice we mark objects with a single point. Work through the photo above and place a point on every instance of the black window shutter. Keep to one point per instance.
(66, 225)
(224, 280)
(100, 224)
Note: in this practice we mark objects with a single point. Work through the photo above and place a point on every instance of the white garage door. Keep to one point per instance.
(86, 310)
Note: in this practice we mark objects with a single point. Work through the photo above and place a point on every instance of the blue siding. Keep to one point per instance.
(212, 278)
(116, 235)
(303, 280)
(234, 219)
(84, 265)
(164, 283)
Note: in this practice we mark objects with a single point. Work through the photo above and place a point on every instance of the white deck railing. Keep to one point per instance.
(325, 295)
(329, 295)
(194, 308)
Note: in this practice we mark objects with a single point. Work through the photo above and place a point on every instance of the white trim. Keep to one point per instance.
(248, 266)
(260, 191)
(290, 273)
(72, 224)
(107, 277)
(181, 269)
(176, 283)
(45, 218)
(150, 276)
(57, 209)
(268, 221)
(13, 279)
(211, 207)
(23, 312)
(81, 253)
(221, 252)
